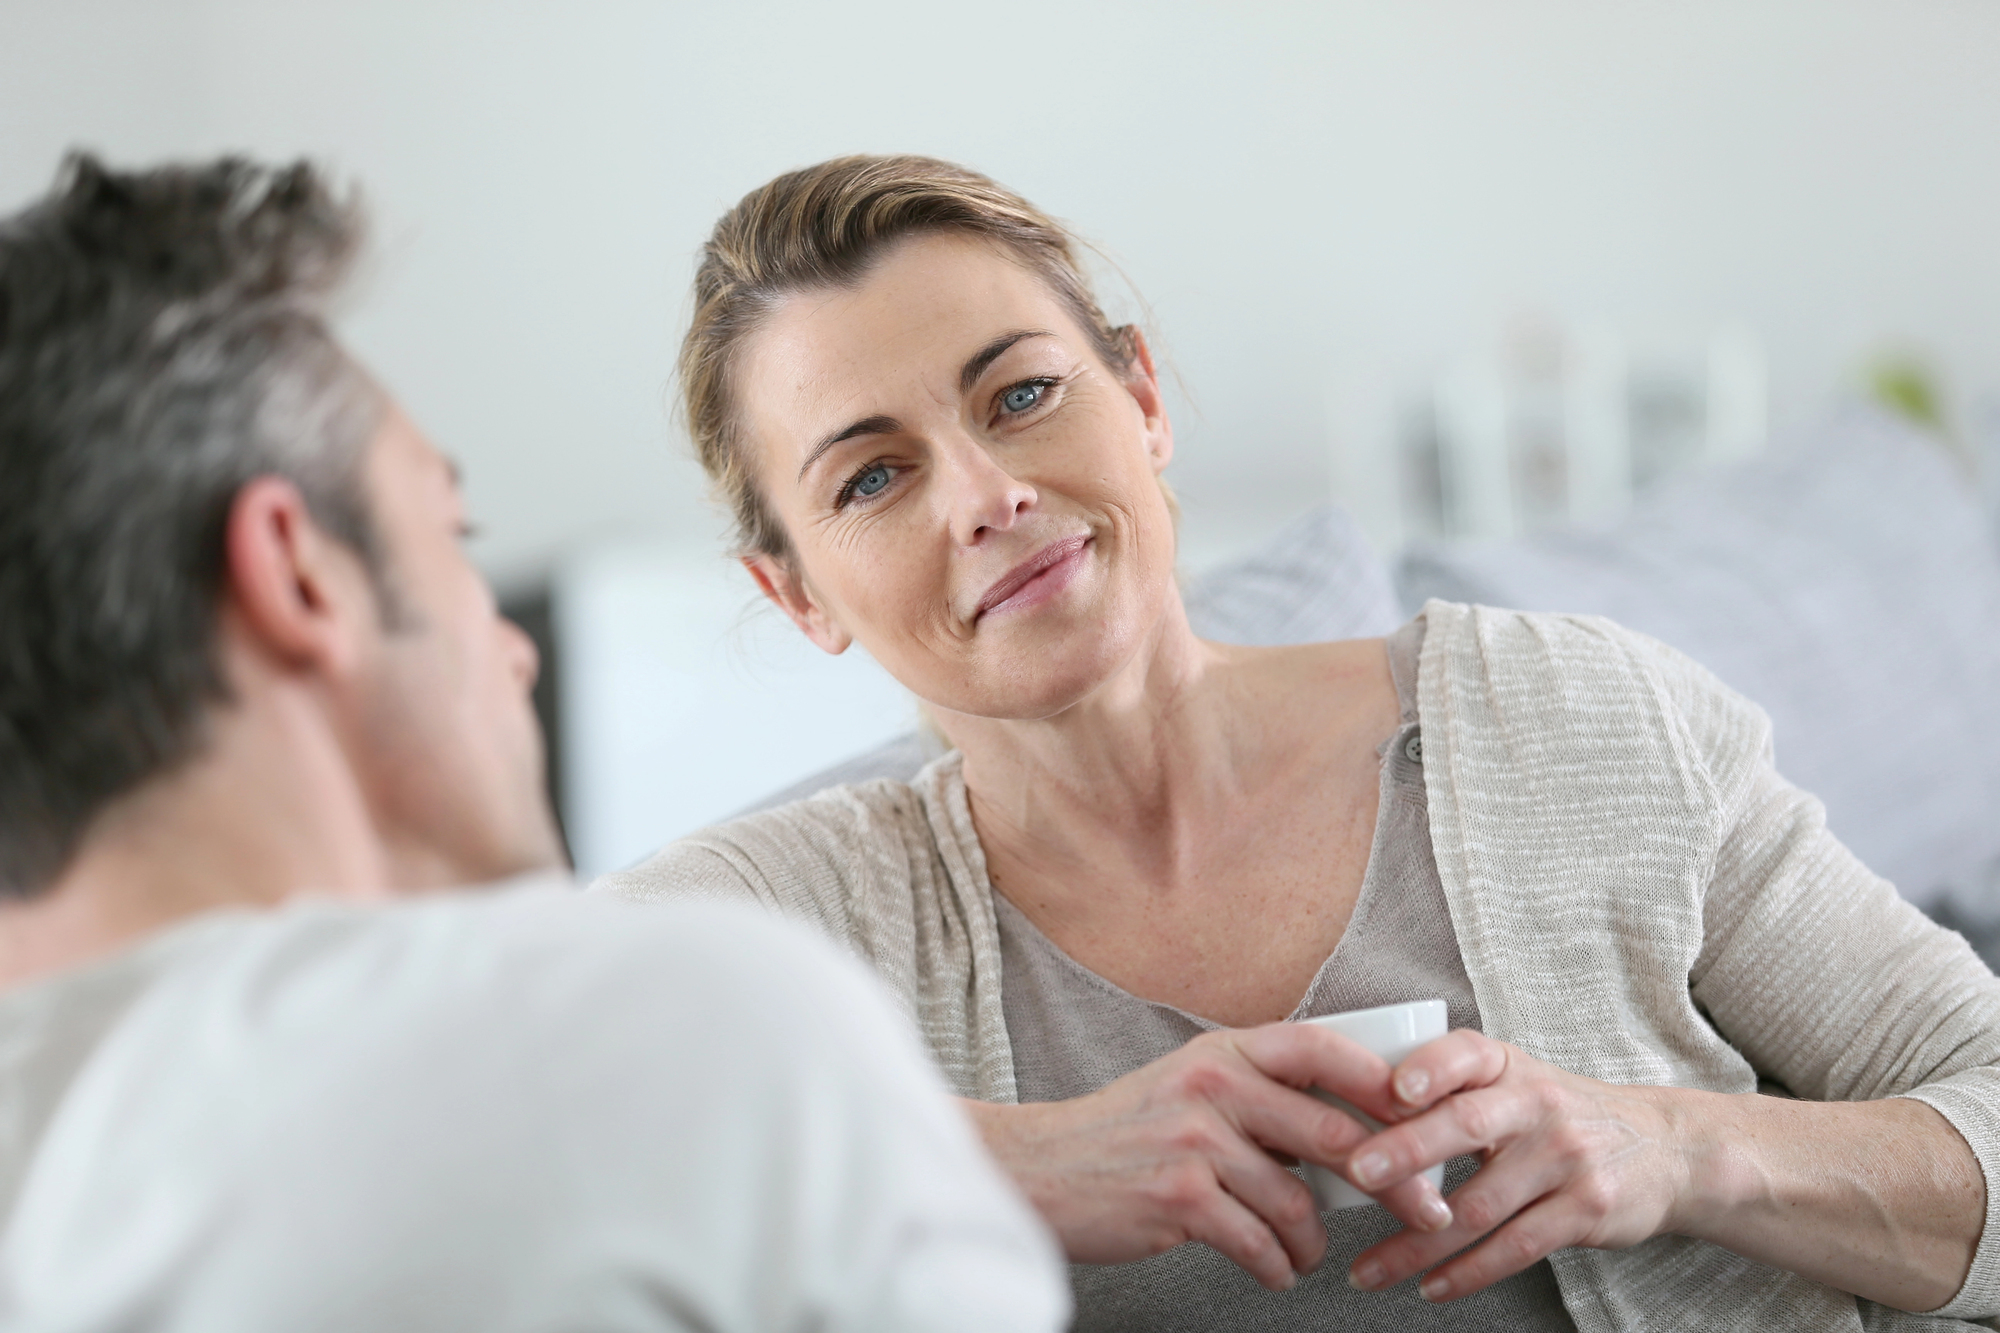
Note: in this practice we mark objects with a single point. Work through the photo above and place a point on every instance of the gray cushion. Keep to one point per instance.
(1316, 579)
(899, 759)
(1847, 582)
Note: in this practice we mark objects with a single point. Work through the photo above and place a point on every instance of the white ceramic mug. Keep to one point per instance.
(1392, 1032)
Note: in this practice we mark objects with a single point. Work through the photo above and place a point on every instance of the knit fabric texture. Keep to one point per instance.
(1637, 895)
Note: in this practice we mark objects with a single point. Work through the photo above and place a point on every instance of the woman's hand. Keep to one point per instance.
(1189, 1148)
(1568, 1161)
(1804, 1186)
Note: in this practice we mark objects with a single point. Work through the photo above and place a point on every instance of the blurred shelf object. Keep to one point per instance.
(1554, 426)
(1911, 385)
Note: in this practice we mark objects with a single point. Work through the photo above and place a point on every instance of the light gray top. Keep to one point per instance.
(506, 1111)
(1073, 1032)
(1638, 897)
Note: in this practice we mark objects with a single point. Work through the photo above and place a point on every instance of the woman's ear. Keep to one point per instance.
(790, 594)
(1142, 381)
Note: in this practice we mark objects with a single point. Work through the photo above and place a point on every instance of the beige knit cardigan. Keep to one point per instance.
(1637, 895)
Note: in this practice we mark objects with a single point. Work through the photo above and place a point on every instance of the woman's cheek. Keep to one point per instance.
(902, 608)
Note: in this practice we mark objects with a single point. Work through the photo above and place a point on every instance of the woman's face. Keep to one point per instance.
(970, 491)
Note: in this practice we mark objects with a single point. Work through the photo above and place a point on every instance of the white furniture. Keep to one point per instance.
(685, 698)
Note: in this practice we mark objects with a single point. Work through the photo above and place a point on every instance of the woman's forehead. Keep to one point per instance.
(909, 324)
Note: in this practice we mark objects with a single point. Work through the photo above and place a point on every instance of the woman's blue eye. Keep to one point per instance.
(872, 481)
(1022, 397)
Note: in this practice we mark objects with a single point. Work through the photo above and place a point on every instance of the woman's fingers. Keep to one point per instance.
(1470, 1122)
(1279, 1199)
(1568, 1162)
(1301, 1126)
(1183, 1149)
(1454, 1062)
(1417, 1204)
(1526, 1239)
(1500, 1190)
(1223, 1222)
(1294, 1123)
(1531, 1236)
(1301, 1055)
(1284, 1211)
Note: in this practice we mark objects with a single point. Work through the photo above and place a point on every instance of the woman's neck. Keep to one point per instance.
(1197, 829)
(1141, 771)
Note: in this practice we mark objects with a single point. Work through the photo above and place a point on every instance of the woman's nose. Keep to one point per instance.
(987, 497)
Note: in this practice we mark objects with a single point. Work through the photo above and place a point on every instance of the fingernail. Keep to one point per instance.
(1435, 1215)
(1412, 1084)
(1434, 1288)
(1366, 1275)
(1370, 1169)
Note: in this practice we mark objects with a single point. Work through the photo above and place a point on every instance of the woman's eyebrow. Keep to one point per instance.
(976, 365)
(877, 425)
(968, 375)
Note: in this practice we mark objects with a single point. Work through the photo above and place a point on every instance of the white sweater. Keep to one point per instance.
(1637, 894)
(497, 1112)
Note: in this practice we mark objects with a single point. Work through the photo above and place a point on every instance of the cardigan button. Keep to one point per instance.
(1414, 747)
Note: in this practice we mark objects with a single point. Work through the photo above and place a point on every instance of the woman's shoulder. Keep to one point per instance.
(819, 858)
(1571, 682)
(822, 836)
(1503, 643)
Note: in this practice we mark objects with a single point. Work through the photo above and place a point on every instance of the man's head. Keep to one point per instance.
(201, 493)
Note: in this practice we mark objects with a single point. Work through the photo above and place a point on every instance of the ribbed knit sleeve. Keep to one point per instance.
(1836, 987)
(892, 871)
(1640, 898)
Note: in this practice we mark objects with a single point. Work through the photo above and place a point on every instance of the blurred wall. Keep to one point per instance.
(1316, 198)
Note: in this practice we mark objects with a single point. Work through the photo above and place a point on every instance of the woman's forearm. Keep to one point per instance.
(1883, 1199)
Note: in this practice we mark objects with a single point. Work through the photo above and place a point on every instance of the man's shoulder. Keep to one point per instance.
(334, 1098)
(541, 943)
(322, 991)
(251, 1035)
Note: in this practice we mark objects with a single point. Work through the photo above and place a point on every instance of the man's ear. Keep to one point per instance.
(1142, 381)
(789, 593)
(296, 591)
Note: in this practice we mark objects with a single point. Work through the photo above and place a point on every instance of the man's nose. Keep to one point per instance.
(523, 659)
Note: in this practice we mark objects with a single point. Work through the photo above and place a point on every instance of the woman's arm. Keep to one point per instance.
(1883, 1199)
(1188, 1147)
(1824, 979)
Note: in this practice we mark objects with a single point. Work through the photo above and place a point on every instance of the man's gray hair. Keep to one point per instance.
(162, 343)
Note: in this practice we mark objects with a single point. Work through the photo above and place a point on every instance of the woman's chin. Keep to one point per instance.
(1037, 680)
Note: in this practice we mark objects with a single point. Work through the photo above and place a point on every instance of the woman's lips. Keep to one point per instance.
(1037, 578)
